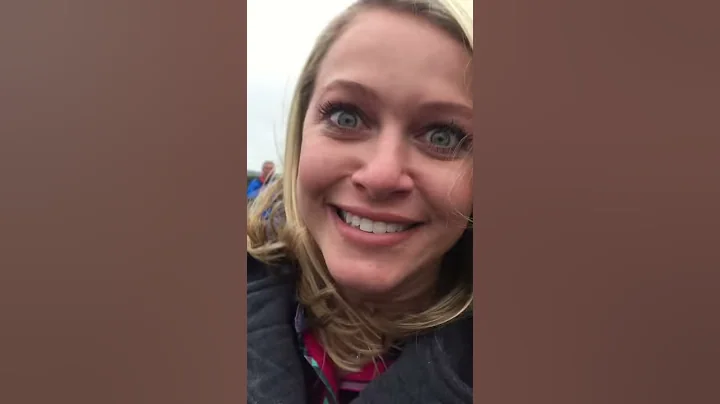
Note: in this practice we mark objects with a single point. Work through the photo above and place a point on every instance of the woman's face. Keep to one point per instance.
(385, 170)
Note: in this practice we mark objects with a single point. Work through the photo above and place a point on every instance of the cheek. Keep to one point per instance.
(461, 194)
(317, 168)
(451, 193)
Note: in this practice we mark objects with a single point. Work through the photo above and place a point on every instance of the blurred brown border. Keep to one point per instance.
(122, 207)
(597, 176)
(242, 318)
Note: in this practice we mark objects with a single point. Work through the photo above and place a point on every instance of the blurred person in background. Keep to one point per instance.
(266, 176)
(360, 257)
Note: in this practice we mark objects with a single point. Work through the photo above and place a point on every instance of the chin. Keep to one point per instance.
(365, 277)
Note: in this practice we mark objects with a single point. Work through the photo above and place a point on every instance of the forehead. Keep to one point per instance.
(398, 53)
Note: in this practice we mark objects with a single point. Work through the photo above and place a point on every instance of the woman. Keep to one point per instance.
(359, 276)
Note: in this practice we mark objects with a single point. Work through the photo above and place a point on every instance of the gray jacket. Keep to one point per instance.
(435, 368)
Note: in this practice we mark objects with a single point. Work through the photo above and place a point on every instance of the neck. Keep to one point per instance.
(412, 296)
(350, 336)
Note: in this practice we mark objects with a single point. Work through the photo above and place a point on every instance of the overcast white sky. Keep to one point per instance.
(280, 36)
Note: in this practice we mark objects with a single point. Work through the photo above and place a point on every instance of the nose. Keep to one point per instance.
(384, 171)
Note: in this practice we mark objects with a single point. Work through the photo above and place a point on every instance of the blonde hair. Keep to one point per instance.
(352, 336)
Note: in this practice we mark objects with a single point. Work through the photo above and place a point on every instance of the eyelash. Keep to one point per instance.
(328, 108)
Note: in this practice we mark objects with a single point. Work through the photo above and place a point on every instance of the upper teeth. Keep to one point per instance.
(371, 226)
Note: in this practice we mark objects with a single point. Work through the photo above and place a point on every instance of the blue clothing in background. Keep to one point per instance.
(253, 191)
(254, 188)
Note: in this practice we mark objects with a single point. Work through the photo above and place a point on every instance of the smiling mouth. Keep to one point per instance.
(373, 226)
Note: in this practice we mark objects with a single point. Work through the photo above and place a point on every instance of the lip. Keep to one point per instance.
(362, 238)
(377, 216)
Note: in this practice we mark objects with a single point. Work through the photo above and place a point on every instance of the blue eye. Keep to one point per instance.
(443, 138)
(446, 140)
(341, 115)
(345, 119)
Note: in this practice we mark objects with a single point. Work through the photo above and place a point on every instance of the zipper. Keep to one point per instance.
(329, 393)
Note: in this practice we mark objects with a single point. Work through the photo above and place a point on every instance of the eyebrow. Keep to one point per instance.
(432, 107)
(352, 87)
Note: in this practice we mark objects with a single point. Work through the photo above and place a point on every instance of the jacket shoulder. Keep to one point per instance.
(274, 364)
(261, 274)
(256, 270)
